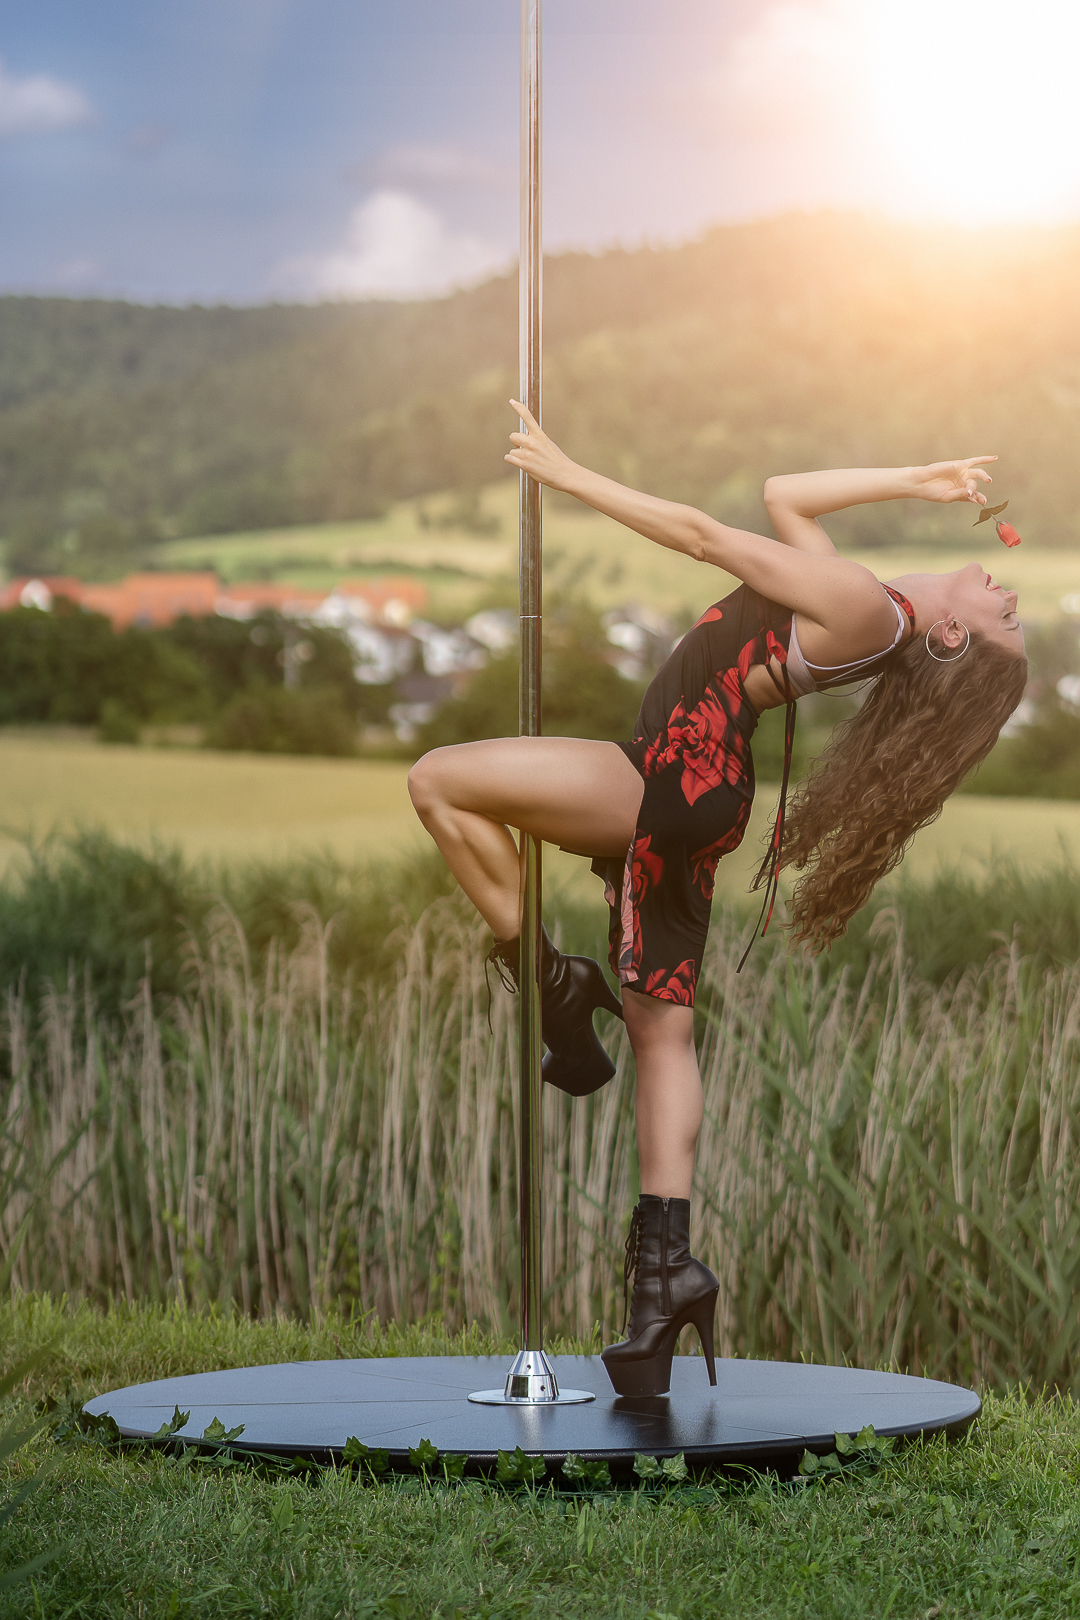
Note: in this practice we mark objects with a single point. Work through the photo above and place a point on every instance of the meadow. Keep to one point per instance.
(229, 806)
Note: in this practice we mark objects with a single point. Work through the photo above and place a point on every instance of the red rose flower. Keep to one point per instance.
(1007, 534)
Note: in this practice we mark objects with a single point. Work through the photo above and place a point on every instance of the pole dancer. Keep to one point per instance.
(945, 655)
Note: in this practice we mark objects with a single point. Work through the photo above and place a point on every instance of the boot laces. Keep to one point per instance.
(633, 1255)
(493, 959)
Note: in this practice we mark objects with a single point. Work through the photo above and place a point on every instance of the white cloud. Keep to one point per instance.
(39, 104)
(414, 165)
(793, 72)
(795, 68)
(395, 247)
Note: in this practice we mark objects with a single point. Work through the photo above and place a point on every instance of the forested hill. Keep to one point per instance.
(696, 371)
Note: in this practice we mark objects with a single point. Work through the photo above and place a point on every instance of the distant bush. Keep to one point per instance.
(95, 908)
(235, 654)
(118, 724)
(271, 720)
(64, 665)
(71, 666)
(1042, 759)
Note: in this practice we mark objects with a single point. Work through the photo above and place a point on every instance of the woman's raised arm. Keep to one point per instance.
(830, 591)
(795, 501)
(801, 570)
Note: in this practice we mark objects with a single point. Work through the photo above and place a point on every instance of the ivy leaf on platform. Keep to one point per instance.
(423, 1455)
(216, 1432)
(515, 1468)
(582, 1470)
(174, 1425)
(356, 1452)
(646, 1467)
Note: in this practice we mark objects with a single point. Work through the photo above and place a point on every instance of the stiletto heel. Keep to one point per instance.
(703, 1318)
(571, 989)
(671, 1290)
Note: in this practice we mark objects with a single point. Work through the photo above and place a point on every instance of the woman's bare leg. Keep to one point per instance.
(585, 795)
(565, 790)
(670, 1104)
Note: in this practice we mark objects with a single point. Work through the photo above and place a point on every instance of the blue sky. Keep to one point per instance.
(240, 150)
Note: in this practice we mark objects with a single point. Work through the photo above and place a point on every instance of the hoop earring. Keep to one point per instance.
(956, 656)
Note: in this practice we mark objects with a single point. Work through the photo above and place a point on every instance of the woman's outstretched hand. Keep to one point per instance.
(947, 481)
(536, 454)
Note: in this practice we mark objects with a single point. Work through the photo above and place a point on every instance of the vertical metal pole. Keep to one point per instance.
(530, 1381)
(530, 296)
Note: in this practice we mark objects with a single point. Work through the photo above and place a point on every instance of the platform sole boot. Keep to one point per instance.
(571, 990)
(670, 1290)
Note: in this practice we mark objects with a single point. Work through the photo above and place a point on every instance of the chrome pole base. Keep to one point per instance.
(531, 1381)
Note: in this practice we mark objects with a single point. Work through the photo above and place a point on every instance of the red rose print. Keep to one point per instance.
(648, 868)
(710, 616)
(703, 862)
(678, 986)
(714, 749)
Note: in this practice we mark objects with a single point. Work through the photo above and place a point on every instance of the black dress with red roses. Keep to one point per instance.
(692, 747)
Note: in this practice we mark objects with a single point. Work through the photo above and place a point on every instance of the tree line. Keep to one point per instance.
(695, 371)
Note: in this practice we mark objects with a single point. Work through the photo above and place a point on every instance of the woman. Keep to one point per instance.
(946, 654)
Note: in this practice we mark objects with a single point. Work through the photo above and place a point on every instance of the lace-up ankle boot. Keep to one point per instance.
(571, 989)
(671, 1288)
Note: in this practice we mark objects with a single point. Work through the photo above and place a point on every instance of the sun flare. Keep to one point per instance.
(977, 102)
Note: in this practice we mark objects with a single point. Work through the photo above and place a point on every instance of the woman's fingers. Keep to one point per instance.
(526, 416)
(970, 472)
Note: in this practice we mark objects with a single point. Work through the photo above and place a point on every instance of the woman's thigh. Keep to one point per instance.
(566, 790)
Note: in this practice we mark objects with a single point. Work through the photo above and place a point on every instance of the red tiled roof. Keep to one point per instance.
(156, 599)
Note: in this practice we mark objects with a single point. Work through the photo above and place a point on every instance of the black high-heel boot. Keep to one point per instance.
(571, 989)
(671, 1288)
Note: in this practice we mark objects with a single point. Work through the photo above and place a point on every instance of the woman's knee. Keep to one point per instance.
(426, 782)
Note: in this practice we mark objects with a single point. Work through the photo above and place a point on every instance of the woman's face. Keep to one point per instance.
(980, 603)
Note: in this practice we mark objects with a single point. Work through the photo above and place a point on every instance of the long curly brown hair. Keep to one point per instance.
(888, 771)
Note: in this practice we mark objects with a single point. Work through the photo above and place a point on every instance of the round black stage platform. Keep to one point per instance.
(763, 1413)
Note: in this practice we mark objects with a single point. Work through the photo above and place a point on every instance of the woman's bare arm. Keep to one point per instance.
(839, 596)
(795, 501)
(832, 592)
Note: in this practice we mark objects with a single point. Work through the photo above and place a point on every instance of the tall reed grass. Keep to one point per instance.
(888, 1169)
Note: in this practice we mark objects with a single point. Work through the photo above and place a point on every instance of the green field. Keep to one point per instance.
(611, 564)
(239, 805)
(221, 805)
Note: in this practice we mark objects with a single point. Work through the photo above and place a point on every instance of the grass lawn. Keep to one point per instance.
(989, 1526)
(610, 564)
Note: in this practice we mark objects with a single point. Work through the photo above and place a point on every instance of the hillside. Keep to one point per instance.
(695, 371)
